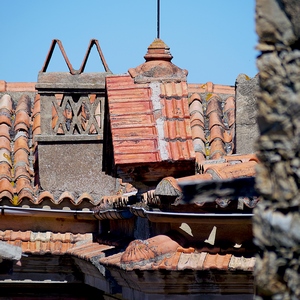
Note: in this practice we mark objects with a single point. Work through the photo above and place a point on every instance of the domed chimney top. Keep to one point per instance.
(158, 66)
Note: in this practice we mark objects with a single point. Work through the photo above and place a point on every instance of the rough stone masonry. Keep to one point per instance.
(276, 221)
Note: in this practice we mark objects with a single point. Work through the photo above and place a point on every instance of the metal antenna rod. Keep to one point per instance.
(158, 17)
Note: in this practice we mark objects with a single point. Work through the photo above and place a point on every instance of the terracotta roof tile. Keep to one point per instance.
(4, 131)
(6, 186)
(210, 88)
(216, 261)
(225, 167)
(217, 149)
(90, 250)
(40, 243)
(151, 108)
(5, 171)
(151, 255)
(226, 170)
(197, 119)
(212, 112)
(214, 104)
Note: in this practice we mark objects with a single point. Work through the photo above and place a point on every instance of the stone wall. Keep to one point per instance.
(276, 220)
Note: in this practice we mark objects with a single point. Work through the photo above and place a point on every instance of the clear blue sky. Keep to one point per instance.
(214, 40)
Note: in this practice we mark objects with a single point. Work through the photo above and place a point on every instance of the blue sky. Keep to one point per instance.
(214, 40)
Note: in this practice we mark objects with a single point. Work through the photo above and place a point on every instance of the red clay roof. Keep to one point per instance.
(149, 123)
(149, 111)
(212, 123)
(44, 242)
(161, 252)
(229, 167)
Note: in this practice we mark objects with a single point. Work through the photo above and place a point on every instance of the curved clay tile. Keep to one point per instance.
(199, 146)
(21, 170)
(198, 133)
(139, 250)
(216, 132)
(192, 98)
(217, 149)
(4, 131)
(21, 143)
(45, 195)
(66, 196)
(214, 104)
(6, 186)
(24, 104)
(23, 183)
(219, 132)
(21, 156)
(22, 117)
(5, 156)
(229, 117)
(36, 123)
(85, 197)
(197, 118)
(229, 104)
(216, 261)
(21, 126)
(25, 194)
(242, 157)
(200, 157)
(5, 110)
(6, 102)
(5, 143)
(215, 119)
(5, 117)
(5, 171)
(36, 106)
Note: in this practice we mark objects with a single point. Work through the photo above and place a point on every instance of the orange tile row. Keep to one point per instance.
(209, 87)
(132, 123)
(32, 236)
(17, 86)
(212, 125)
(160, 252)
(90, 250)
(43, 242)
(41, 248)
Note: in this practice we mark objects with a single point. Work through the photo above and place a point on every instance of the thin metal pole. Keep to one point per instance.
(158, 17)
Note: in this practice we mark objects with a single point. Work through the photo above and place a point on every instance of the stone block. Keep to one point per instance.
(246, 114)
(75, 167)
